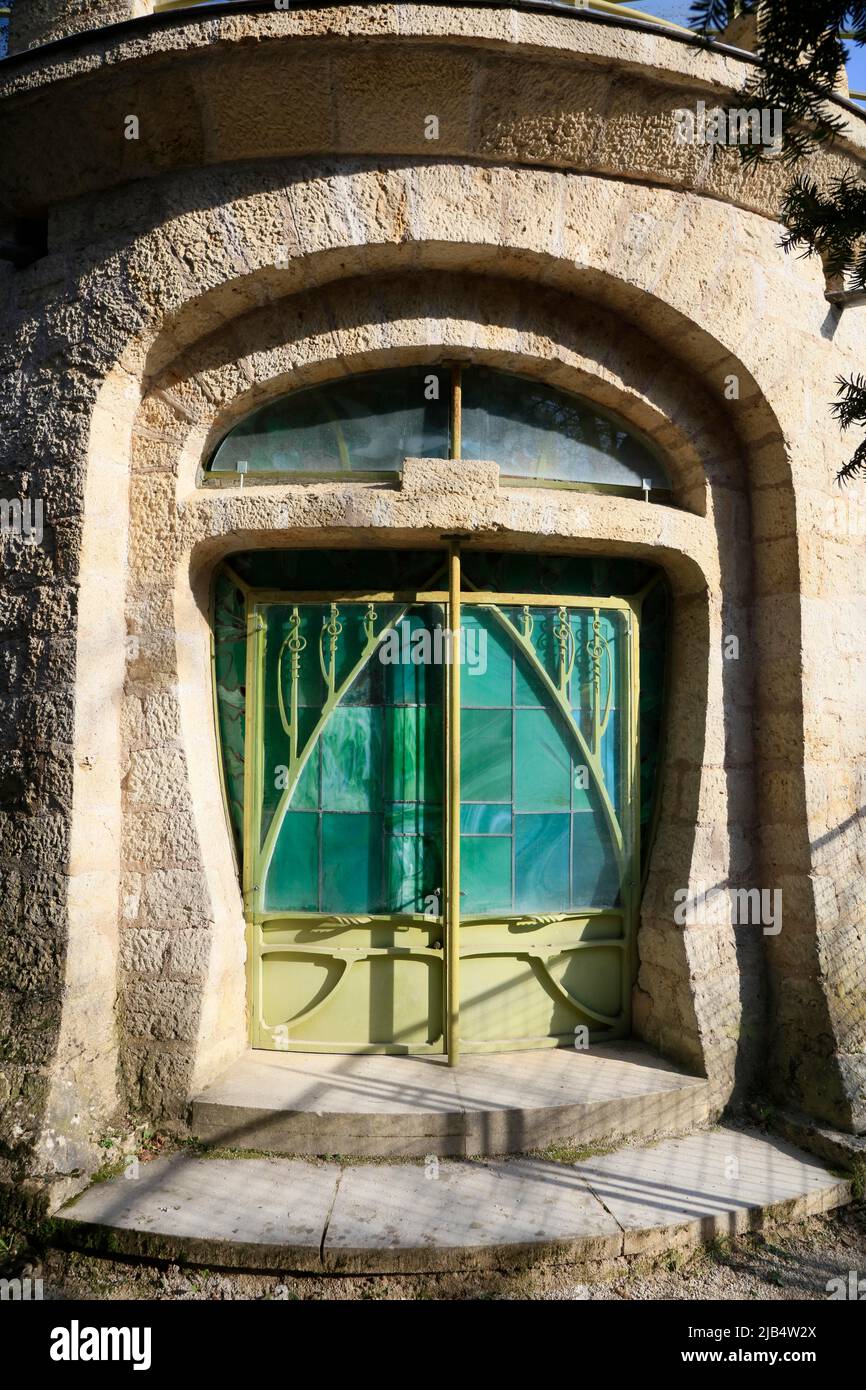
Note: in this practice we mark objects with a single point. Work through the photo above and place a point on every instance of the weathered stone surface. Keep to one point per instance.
(450, 1215)
(390, 1106)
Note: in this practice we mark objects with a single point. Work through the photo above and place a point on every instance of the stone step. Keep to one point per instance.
(512, 1102)
(384, 1218)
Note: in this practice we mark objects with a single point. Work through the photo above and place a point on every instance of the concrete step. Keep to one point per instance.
(379, 1218)
(511, 1102)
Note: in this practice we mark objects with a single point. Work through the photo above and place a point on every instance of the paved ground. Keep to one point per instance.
(794, 1262)
(265, 1213)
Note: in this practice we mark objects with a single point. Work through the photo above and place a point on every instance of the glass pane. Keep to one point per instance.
(366, 423)
(352, 863)
(368, 762)
(535, 837)
(543, 762)
(485, 874)
(485, 755)
(541, 845)
(594, 865)
(533, 430)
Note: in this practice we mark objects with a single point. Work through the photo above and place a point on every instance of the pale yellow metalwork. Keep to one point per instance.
(452, 920)
(358, 941)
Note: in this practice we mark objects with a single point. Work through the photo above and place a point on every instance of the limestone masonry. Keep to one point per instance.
(283, 220)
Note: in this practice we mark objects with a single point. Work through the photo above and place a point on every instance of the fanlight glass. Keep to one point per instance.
(367, 425)
(536, 431)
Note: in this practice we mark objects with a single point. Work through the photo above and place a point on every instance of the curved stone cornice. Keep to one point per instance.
(507, 86)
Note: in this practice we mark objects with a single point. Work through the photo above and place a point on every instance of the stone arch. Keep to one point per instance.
(664, 318)
(199, 392)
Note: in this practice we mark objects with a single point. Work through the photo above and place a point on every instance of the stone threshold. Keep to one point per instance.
(494, 1103)
(388, 1218)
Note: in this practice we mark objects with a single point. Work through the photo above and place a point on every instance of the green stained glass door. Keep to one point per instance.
(347, 802)
(347, 884)
(547, 839)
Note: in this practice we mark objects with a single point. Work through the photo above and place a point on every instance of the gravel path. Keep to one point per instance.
(794, 1262)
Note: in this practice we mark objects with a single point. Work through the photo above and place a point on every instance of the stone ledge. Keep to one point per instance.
(280, 1213)
(503, 1103)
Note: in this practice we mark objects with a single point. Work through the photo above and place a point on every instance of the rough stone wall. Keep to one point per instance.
(39, 21)
(186, 291)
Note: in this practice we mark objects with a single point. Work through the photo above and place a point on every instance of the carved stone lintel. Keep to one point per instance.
(467, 478)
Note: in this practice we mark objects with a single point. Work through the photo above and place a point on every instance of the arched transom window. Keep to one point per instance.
(365, 426)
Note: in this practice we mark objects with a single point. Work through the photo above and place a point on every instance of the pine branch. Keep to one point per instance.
(831, 225)
(802, 54)
(849, 409)
(709, 16)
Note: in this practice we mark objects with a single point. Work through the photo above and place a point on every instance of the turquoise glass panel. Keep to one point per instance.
(294, 878)
(541, 845)
(485, 874)
(352, 863)
(485, 820)
(543, 762)
(485, 755)
(558, 836)
(486, 671)
(595, 872)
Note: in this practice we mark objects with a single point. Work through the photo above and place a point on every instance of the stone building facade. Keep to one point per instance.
(283, 218)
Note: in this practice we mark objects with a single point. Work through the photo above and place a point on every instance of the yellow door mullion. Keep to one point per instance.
(452, 907)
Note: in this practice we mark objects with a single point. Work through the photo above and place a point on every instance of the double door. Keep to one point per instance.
(441, 818)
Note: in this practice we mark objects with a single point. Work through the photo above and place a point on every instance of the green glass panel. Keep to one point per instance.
(595, 873)
(414, 871)
(413, 818)
(413, 763)
(485, 755)
(476, 819)
(541, 845)
(543, 762)
(364, 423)
(352, 863)
(294, 878)
(352, 760)
(486, 671)
(485, 874)
(367, 756)
(412, 658)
